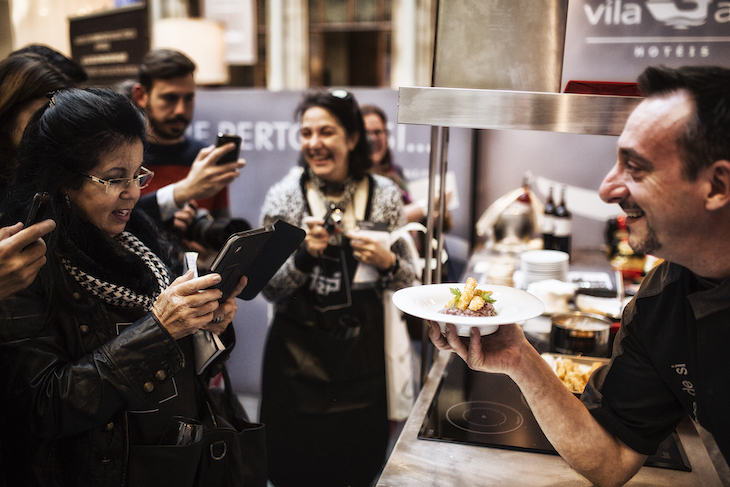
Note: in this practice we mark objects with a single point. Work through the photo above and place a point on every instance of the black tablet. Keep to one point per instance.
(256, 254)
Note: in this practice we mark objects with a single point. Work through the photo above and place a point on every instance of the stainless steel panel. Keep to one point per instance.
(500, 44)
(518, 110)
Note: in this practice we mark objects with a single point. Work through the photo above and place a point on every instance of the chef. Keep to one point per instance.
(672, 179)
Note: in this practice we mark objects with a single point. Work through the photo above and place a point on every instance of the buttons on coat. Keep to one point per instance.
(84, 329)
(109, 426)
(148, 386)
(161, 375)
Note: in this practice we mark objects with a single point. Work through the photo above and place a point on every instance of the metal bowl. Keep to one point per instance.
(580, 333)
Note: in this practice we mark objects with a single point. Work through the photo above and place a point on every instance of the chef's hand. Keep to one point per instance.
(498, 352)
(317, 238)
(372, 252)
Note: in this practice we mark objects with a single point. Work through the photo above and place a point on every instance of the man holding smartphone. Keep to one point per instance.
(185, 169)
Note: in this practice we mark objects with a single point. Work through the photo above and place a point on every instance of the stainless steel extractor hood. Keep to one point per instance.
(515, 110)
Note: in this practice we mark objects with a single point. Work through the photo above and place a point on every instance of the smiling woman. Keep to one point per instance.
(108, 203)
(323, 387)
(97, 353)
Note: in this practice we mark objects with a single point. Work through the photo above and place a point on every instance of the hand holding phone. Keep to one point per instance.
(230, 156)
(37, 209)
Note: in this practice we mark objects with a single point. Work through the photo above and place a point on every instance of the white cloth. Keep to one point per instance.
(400, 390)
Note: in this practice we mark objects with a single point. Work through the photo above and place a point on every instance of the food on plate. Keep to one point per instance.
(470, 302)
(574, 375)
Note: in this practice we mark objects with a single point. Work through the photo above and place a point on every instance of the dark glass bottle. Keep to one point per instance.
(562, 230)
(548, 222)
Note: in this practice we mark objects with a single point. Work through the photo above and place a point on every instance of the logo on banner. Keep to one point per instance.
(667, 11)
(691, 13)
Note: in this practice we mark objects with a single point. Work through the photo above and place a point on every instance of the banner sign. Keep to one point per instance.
(109, 45)
(614, 40)
(270, 144)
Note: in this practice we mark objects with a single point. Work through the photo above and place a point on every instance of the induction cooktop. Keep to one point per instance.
(489, 410)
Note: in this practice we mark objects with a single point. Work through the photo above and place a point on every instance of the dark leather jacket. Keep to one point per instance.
(67, 386)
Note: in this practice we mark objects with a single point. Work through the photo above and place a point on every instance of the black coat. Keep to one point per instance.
(69, 382)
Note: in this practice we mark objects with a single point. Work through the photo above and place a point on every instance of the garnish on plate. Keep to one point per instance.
(470, 302)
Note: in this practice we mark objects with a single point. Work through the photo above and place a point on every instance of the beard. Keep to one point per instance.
(647, 245)
(163, 129)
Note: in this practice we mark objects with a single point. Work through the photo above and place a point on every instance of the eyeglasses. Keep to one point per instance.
(376, 133)
(117, 185)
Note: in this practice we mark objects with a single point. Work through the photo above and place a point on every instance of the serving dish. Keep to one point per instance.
(512, 306)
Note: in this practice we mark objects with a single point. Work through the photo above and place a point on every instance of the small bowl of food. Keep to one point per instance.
(573, 370)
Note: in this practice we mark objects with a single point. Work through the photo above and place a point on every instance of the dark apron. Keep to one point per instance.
(325, 351)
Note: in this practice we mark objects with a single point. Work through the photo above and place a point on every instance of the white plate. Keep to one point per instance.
(512, 306)
(544, 257)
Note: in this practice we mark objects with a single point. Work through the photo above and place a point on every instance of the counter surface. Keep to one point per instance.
(421, 463)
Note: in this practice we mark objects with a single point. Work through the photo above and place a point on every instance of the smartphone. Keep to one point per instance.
(230, 156)
(37, 209)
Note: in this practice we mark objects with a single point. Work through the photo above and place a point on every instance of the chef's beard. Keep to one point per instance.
(650, 244)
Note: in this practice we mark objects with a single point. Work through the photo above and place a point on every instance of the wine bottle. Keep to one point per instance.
(562, 230)
(548, 222)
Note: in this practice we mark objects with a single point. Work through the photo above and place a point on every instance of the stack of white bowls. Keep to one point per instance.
(541, 265)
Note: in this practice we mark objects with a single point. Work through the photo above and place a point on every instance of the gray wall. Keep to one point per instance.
(577, 160)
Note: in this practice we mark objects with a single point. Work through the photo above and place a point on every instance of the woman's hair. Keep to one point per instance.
(67, 66)
(343, 106)
(376, 110)
(23, 78)
(68, 139)
(61, 143)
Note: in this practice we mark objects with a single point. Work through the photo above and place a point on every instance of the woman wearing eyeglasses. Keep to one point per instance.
(323, 387)
(96, 354)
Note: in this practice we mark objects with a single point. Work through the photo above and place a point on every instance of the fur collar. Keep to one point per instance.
(98, 254)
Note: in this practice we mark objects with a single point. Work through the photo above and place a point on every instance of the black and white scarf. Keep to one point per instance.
(119, 295)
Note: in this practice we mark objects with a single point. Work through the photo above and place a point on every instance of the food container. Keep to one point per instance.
(579, 333)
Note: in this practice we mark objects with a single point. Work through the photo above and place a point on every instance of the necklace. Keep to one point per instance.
(321, 187)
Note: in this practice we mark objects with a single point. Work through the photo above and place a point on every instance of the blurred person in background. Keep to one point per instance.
(672, 179)
(25, 81)
(323, 387)
(73, 70)
(376, 126)
(190, 184)
(96, 354)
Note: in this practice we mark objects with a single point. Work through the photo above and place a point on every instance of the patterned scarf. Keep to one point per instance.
(122, 296)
